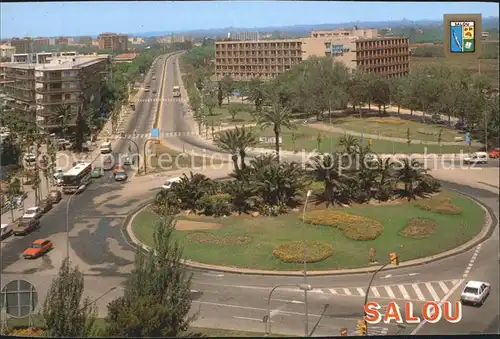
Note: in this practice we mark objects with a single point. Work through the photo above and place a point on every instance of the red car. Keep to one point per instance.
(38, 248)
(495, 153)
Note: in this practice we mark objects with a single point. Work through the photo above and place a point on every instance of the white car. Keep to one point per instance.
(168, 184)
(476, 158)
(6, 230)
(475, 292)
(33, 212)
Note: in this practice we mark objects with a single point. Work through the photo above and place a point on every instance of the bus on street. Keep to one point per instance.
(79, 175)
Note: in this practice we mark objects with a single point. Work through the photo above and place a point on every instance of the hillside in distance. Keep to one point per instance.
(404, 27)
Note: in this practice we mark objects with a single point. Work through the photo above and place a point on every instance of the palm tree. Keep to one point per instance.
(326, 168)
(62, 115)
(190, 189)
(228, 142)
(277, 117)
(245, 139)
(349, 143)
(385, 179)
(254, 93)
(411, 174)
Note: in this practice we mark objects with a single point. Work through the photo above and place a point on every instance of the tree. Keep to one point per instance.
(326, 168)
(210, 104)
(255, 93)
(278, 117)
(234, 109)
(236, 142)
(157, 296)
(227, 85)
(349, 143)
(62, 115)
(410, 173)
(220, 95)
(64, 311)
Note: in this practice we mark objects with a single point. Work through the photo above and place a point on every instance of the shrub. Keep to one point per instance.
(293, 252)
(354, 227)
(317, 186)
(440, 205)
(217, 205)
(26, 332)
(419, 228)
(216, 240)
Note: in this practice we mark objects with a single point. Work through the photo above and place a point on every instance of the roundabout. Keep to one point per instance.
(338, 240)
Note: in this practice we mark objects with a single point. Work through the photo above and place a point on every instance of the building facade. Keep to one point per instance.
(342, 33)
(243, 36)
(7, 51)
(84, 40)
(113, 42)
(24, 45)
(244, 60)
(389, 57)
(63, 40)
(53, 91)
(40, 44)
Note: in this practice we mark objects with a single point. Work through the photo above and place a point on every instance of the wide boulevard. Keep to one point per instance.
(100, 247)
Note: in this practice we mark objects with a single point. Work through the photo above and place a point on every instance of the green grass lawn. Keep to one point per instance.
(166, 159)
(37, 321)
(396, 128)
(268, 232)
(222, 117)
(306, 139)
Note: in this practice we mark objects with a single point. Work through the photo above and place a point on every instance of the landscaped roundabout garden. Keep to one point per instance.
(257, 219)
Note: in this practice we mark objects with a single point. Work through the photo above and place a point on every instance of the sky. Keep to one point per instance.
(92, 18)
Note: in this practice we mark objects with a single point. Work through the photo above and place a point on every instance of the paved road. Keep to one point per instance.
(235, 301)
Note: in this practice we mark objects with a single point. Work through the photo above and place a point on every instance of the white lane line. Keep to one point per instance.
(251, 319)
(446, 297)
(213, 274)
(432, 291)
(333, 291)
(403, 292)
(443, 287)
(471, 262)
(419, 293)
(389, 292)
(316, 290)
(375, 292)
(289, 301)
(347, 292)
(360, 291)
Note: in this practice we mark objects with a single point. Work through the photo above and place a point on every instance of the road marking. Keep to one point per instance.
(213, 275)
(288, 301)
(400, 275)
(389, 292)
(419, 293)
(246, 318)
(375, 292)
(446, 297)
(347, 292)
(432, 291)
(404, 292)
(316, 290)
(471, 262)
(333, 291)
(443, 287)
(360, 291)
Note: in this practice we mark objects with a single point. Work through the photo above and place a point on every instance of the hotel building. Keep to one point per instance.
(38, 91)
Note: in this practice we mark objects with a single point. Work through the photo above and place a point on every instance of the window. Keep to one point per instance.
(67, 96)
(66, 74)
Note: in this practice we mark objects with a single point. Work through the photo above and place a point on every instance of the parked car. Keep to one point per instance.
(476, 158)
(97, 172)
(25, 226)
(495, 153)
(117, 169)
(126, 160)
(168, 184)
(475, 292)
(45, 205)
(5, 231)
(55, 196)
(38, 248)
(121, 176)
(33, 212)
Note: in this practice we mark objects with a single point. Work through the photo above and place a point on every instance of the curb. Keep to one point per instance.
(486, 232)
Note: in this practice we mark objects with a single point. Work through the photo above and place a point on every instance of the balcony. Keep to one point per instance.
(20, 76)
(44, 90)
(13, 85)
(57, 78)
(47, 101)
(20, 106)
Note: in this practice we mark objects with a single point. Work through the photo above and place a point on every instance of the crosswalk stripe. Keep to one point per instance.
(375, 292)
(443, 287)
(360, 291)
(333, 291)
(389, 292)
(347, 292)
(432, 291)
(454, 282)
(418, 292)
(404, 292)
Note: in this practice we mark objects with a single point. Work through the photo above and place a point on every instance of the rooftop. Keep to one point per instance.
(59, 63)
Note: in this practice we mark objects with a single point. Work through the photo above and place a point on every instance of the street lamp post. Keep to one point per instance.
(99, 297)
(136, 146)
(79, 189)
(144, 156)
(267, 317)
(306, 312)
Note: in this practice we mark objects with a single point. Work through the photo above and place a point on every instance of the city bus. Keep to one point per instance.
(79, 175)
(176, 91)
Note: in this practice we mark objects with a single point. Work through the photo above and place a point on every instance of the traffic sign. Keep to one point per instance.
(155, 133)
(467, 138)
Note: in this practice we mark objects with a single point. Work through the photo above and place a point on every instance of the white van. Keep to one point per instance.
(106, 148)
(168, 184)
